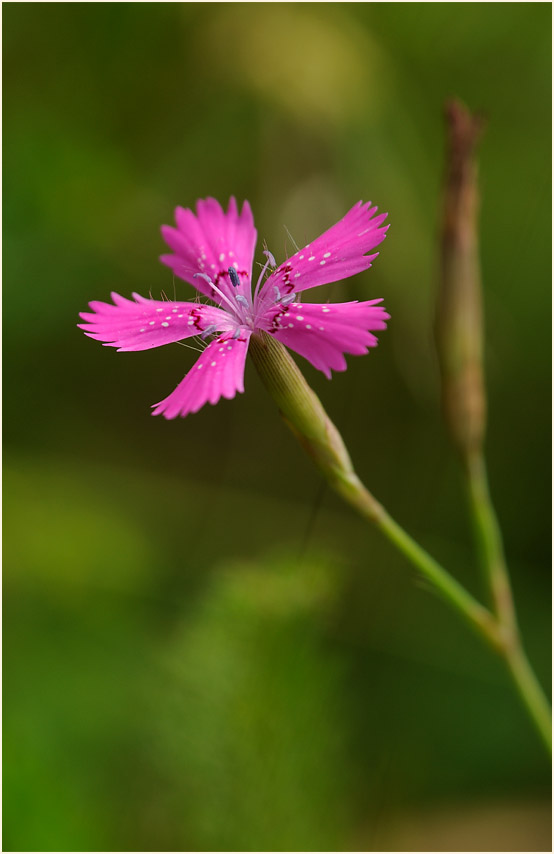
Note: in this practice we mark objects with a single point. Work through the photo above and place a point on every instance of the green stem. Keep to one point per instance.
(499, 629)
(479, 618)
(491, 552)
(489, 541)
(530, 692)
(303, 412)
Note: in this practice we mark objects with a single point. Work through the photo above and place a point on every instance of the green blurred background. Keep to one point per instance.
(204, 649)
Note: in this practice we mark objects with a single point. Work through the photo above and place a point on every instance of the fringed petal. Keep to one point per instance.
(337, 254)
(209, 244)
(219, 372)
(324, 333)
(142, 324)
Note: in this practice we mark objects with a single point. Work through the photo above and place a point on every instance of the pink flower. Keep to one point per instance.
(214, 251)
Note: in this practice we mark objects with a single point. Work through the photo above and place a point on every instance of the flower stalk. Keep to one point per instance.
(303, 412)
(460, 347)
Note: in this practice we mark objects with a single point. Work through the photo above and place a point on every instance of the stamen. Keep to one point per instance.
(277, 293)
(270, 261)
(203, 276)
(236, 333)
(233, 275)
(288, 299)
(270, 258)
(209, 330)
(242, 299)
(221, 294)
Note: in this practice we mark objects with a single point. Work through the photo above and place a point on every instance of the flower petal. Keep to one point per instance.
(219, 372)
(337, 254)
(210, 243)
(145, 323)
(323, 333)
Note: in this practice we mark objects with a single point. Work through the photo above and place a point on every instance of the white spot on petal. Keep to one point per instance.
(291, 325)
(326, 310)
(222, 256)
(311, 258)
(159, 309)
(322, 263)
(327, 255)
(299, 317)
(199, 366)
(296, 275)
(165, 324)
(301, 258)
(322, 329)
(213, 364)
(151, 323)
(143, 330)
(229, 348)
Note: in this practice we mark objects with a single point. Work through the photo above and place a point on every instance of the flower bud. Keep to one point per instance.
(459, 318)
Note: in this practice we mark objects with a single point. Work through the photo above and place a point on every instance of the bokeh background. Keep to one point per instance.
(203, 649)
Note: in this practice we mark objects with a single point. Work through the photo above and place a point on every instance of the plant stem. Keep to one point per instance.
(498, 629)
(304, 414)
(460, 346)
(489, 541)
(530, 691)
(479, 618)
(495, 571)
